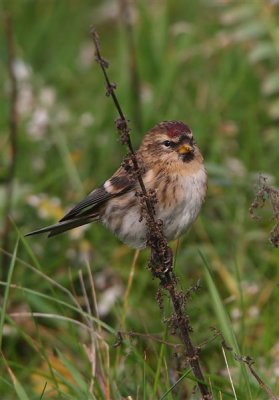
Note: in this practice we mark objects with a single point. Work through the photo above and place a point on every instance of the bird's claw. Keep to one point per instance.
(168, 261)
(162, 264)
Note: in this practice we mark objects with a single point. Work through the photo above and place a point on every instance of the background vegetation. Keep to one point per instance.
(210, 63)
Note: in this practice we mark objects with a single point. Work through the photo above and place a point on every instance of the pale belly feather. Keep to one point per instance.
(124, 221)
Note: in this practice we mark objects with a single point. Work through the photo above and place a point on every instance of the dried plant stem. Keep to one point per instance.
(249, 362)
(192, 352)
(161, 261)
(261, 383)
(8, 26)
(122, 123)
(267, 193)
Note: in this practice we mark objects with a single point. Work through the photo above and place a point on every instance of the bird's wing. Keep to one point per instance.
(117, 185)
(88, 209)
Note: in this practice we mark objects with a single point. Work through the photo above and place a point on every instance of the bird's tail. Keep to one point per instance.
(62, 226)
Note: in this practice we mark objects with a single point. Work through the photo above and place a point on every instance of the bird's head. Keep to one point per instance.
(170, 142)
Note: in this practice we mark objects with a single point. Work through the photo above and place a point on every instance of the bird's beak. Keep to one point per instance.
(185, 148)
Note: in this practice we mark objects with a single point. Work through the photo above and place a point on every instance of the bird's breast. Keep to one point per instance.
(179, 200)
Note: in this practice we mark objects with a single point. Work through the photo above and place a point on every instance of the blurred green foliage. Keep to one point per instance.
(212, 64)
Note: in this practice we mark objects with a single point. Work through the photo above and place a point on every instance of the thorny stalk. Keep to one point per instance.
(249, 362)
(267, 193)
(13, 133)
(160, 263)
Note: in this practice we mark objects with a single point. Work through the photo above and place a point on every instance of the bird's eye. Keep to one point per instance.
(167, 143)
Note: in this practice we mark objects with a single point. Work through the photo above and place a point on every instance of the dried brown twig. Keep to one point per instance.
(249, 362)
(267, 193)
(160, 263)
(13, 133)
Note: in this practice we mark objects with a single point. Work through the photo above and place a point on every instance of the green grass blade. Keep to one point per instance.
(187, 372)
(7, 289)
(21, 394)
(224, 321)
(220, 310)
(144, 378)
(159, 365)
(79, 379)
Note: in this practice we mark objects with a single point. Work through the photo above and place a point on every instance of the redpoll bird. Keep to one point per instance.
(172, 166)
